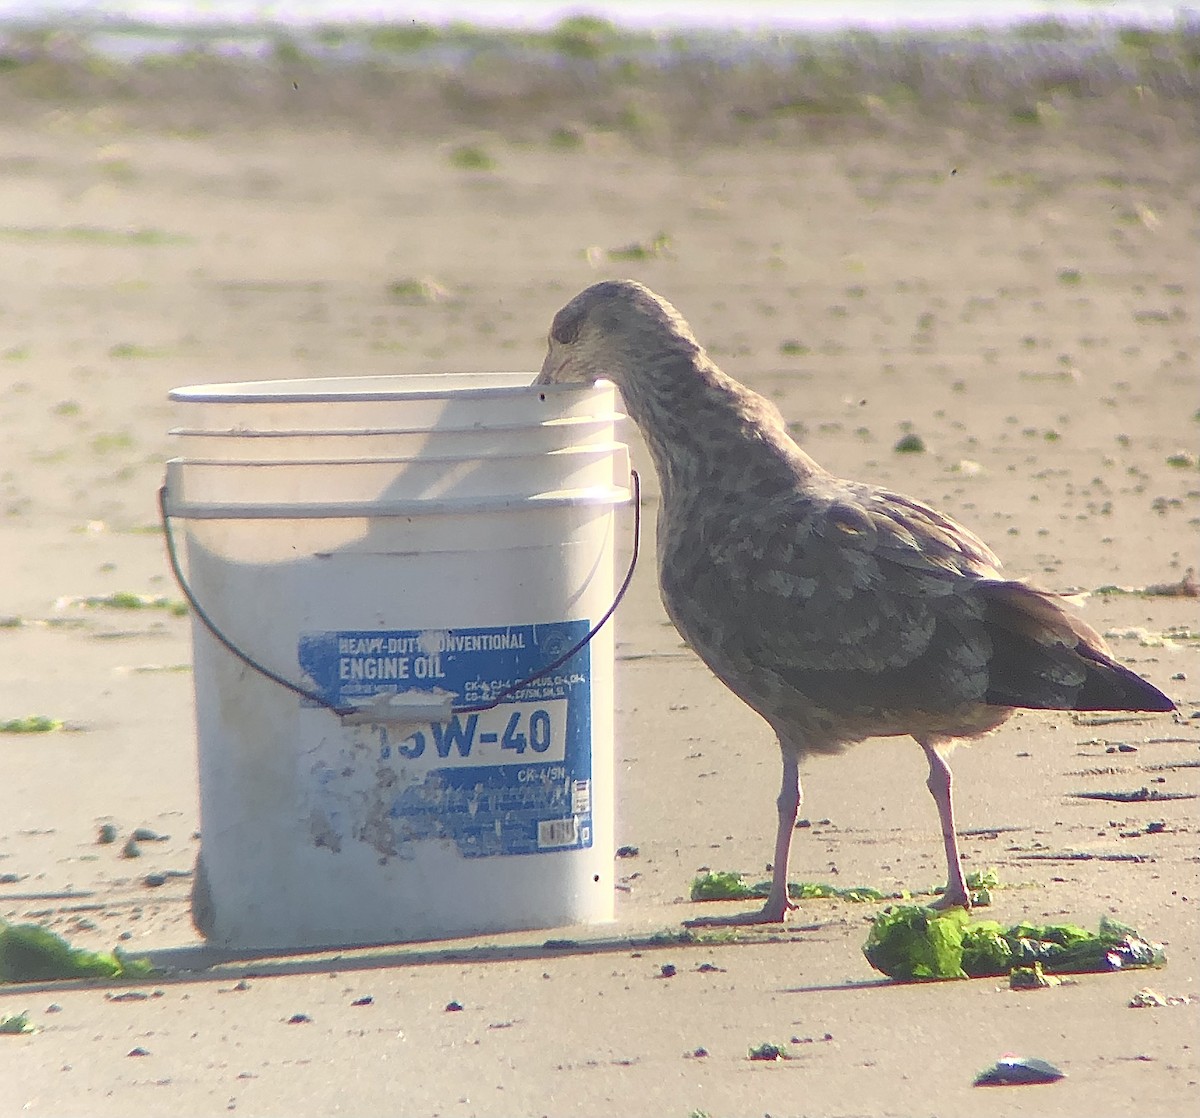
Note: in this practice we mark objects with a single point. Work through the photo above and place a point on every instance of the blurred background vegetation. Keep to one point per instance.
(587, 75)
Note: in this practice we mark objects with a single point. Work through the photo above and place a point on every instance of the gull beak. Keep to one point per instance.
(550, 367)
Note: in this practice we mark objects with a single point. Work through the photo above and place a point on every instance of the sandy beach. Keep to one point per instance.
(1018, 291)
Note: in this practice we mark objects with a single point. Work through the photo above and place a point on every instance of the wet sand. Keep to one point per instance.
(1021, 296)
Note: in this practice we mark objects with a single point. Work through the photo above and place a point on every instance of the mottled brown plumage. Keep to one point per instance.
(837, 610)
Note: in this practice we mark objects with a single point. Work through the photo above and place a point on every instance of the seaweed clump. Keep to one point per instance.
(912, 942)
(31, 953)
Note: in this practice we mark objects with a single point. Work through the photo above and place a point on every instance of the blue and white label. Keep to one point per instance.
(511, 779)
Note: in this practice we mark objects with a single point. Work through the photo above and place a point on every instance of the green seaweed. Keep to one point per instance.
(402, 38)
(669, 936)
(586, 37)
(128, 600)
(731, 886)
(1031, 978)
(815, 890)
(726, 886)
(912, 942)
(980, 884)
(31, 953)
(910, 444)
(984, 879)
(16, 1024)
(91, 234)
(471, 157)
(33, 724)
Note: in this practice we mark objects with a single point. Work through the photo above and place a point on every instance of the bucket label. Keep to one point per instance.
(512, 779)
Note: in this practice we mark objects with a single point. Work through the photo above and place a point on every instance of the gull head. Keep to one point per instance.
(609, 331)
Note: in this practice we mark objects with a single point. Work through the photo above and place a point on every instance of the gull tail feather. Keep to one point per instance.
(1044, 657)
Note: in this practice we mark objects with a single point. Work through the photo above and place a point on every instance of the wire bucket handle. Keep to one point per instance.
(418, 707)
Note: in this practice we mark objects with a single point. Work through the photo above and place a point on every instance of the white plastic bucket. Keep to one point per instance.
(401, 588)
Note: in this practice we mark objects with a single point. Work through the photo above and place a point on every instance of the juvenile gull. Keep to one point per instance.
(837, 610)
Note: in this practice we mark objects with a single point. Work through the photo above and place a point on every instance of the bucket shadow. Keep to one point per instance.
(204, 962)
(200, 963)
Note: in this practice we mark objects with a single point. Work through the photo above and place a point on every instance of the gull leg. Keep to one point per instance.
(788, 803)
(939, 785)
(777, 905)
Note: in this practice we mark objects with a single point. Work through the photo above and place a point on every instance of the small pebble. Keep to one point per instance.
(154, 880)
(454, 1007)
(1018, 1070)
(107, 834)
(367, 1000)
(699, 1053)
(299, 1019)
(627, 851)
(667, 970)
(144, 834)
(138, 1052)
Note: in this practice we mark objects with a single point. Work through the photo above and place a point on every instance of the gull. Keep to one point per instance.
(837, 610)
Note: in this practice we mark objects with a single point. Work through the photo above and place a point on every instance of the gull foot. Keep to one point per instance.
(951, 900)
(770, 913)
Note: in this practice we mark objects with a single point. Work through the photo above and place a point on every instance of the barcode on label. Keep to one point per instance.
(557, 832)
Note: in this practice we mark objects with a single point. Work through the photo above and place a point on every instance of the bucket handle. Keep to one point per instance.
(343, 712)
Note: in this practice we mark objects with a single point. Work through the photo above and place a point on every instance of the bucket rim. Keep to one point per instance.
(373, 389)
